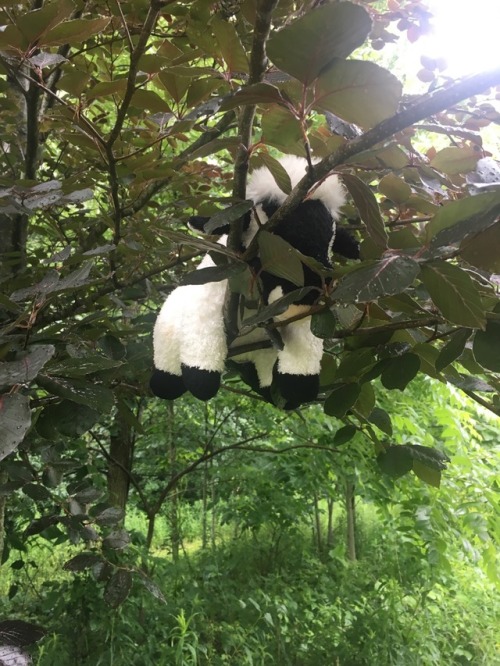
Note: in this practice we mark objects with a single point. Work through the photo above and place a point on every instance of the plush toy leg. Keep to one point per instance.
(166, 381)
(166, 385)
(299, 362)
(189, 341)
(204, 349)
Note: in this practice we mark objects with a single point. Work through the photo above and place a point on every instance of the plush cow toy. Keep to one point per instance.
(190, 345)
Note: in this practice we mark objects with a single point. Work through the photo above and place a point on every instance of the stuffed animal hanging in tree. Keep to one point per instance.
(190, 344)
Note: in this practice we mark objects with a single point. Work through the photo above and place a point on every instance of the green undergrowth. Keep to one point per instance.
(260, 599)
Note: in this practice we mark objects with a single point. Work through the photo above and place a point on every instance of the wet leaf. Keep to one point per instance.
(386, 277)
(15, 420)
(455, 294)
(118, 588)
(368, 208)
(26, 368)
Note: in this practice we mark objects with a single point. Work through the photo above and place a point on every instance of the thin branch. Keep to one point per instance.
(135, 56)
(183, 158)
(481, 401)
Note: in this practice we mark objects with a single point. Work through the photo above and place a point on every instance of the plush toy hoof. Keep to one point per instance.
(166, 386)
(297, 389)
(203, 384)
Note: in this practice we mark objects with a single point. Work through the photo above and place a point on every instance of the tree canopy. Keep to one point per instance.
(120, 121)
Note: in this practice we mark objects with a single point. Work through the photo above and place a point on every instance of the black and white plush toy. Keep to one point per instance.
(190, 345)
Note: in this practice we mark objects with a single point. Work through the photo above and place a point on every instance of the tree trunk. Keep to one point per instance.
(173, 507)
(351, 520)
(317, 525)
(121, 445)
(329, 531)
(3, 503)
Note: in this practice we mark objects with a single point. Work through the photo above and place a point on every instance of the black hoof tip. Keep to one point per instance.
(203, 384)
(166, 386)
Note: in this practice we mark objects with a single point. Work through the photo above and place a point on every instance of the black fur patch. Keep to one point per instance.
(297, 389)
(203, 384)
(166, 386)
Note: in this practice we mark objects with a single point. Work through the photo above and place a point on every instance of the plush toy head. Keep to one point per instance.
(190, 347)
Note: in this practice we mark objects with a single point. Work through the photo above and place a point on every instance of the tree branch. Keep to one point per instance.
(135, 56)
(428, 106)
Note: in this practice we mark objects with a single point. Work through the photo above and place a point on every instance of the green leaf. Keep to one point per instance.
(74, 82)
(398, 372)
(366, 401)
(454, 160)
(344, 435)
(309, 44)
(368, 208)
(277, 171)
(458, 219)
(396, 461)
(486, 346)
(280, 258)
(230, 45)
(280, 128)
(198, 243)
(341, 399)
(427, 474)
(110, 516)
(386, 277)
(15, 420)
(382, 420)
(148, 99)
(213, 274)
(82, 561)
(482, 250)
(356, 363)
(175, 84)
(453, 348)
(117, 540)
(35, 24)
(394, 188)
(228, 215)
(323, 324)
(84, 365)
(51, 283)
(76, 31)
(106, 88)
(358, 91)
(276, 308)
(455, 294)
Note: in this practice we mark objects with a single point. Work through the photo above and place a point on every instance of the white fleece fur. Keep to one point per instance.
(190, 327)
(263, 186)
(302, 351)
